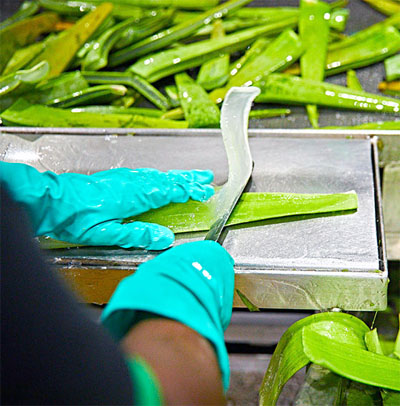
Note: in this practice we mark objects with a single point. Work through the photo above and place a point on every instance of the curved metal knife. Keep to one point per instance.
(234, 122)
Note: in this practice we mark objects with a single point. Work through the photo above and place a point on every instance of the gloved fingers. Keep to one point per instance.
(193, 176)
(136, 234)
(190, 185)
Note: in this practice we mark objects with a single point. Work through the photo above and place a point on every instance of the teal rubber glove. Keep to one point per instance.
(191, 283)
(89, 209)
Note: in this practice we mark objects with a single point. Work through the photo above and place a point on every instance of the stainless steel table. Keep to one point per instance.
(309, 262)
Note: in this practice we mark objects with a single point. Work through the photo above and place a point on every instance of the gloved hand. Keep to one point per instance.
(89, 209)
(191, 283)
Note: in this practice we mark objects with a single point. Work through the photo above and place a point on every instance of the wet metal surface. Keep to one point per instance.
(309, 262)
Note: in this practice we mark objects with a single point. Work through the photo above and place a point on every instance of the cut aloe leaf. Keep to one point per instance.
(200, 111)
(289, 355)
(132, 80)
(196, 216)
(26, 9)
(338, 19)
(26, 114)
(26, 78)
(380, 125)
(287, 89)
(352, 80)
(175, 33)
(268, 113)
(142, 111)
(23, 33)
(387, 7)
(250, 306)
(350, 361)
(59, 53)
(314, 34)
(215, 72)
(165, 63)
(95, 94)
(372, 342)
(22, 57)
(392, 68)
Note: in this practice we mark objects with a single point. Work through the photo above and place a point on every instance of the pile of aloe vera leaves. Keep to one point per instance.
(169, 63)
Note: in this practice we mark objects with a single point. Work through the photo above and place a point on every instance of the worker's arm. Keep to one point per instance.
(90, 209)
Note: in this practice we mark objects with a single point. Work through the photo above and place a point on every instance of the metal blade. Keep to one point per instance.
(234, 122)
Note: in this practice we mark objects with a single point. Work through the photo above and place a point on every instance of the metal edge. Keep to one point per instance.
(267, 132)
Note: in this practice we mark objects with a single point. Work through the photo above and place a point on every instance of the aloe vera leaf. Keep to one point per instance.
(143, 121)
(338, 19)
(314, 33)
(22, 57)
(350, 361)
(229, 25)
(366, 33)
(95, 94)
(97, 57)
(200, 111)
(174, 114)
(270, 14)
(289, 355)
(26, 78)
(141, 111)
(281, 88)
(387, 7)
(162, 64)
(391, 88)
(173, 95)
(196, 216)
(372, 342)
(131, 97)
(184, 4)
(144, 28)
(175, 33)
(250, 306)
(26, 9)
(268, 113)
(215, 72)
(23, 33)
(59, 53)
(392, 68)
(278, 55)
(352, 80)
(255, 49)
(132, 80)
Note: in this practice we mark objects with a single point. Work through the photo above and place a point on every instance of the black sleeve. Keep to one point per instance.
(51, 352)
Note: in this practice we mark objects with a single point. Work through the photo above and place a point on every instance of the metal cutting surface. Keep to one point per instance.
(316, 262)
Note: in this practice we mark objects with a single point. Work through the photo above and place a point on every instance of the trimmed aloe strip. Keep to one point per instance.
(200, 111)
(255, 49)
(392, 68)
(270, 14)
(387, 7)
(314, 33)
(352, 362)
(35, 115)
(22, 57)
(281, 88)
(366, 33)
(59, 53)
(391, 88)
(338, 19)
(267, 113)
(175, 33)
(141, 111)
(23, 33)
(144, 28)
(95, 94)
(196, 216)
(185, 4)
(26, 9)
(215, 72)
(289, 356)
(246, 301)
(281, 53)
(28, 78)
(172, 93)
(162, 64)
(229, 25)
(134, 81)
(352, 80)
(81, 7)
